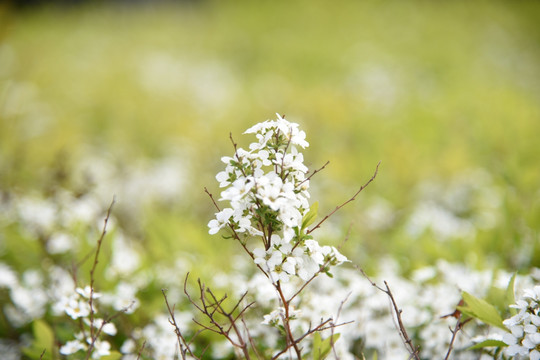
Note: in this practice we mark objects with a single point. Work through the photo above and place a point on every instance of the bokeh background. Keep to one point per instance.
(137, 100)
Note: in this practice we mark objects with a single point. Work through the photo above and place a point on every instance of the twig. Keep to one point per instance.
(42, 354)
(93, 334)
(141, 350)
(346, 202)
(314, 172)
(321, 327)
(212, 198)
(457, 328)
(210, 307)
(305, 284)
(251, 340)
(332, 330)
(413, 351)
(235, 145)
(286, 322)
(181, 340)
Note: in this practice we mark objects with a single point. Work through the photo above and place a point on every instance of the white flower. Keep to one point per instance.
(8, 277)
(276, 316)
(60, 243)
(222, 219)
(101, 348)
(259, 256)
(129, 346)
(239, 189)
(108, 328)
(524, 336)
(223, 176)
(87, 291)
(289, 266)
(77, 308)
(71, 347)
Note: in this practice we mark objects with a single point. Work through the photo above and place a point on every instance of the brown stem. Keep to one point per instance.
(141, 350)
(346, 202)
(413, 351)
(286, 322)
(211, 307)
(457, 328)
(93, 334)
(182, 343)
(314, 172)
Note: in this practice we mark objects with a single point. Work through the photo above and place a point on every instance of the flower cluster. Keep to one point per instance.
(267, 189)
(81, 305)
(275, 318)
(524, 336)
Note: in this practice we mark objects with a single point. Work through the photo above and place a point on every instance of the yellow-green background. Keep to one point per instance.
(431, 89)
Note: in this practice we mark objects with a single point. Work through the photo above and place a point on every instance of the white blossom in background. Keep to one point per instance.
(81, 305)
(8, 277)
(123, 298)
(160, 338)
(37, 215)
(60, 242)
(125, 257)
(28, 296)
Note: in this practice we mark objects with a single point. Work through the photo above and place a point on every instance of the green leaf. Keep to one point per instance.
(114, 355)
(43, 334)
(316, 345)
(510, 297)
(321, 348)
(43, 340)
(488, 343)
(311, 215)
(481, 310)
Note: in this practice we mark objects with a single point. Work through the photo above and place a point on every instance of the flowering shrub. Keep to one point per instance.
(269, 215)
(267, 190)
(524, 327)
(286, 298)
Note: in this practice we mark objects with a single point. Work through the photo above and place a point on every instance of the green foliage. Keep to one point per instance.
(510, 295)
(311, 215)
(353, 93)
(43, 342)
(321, 348)
(114, 355)
(488, 343)
(481, 310)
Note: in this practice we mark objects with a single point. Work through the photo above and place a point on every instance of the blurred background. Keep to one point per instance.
(137, 99)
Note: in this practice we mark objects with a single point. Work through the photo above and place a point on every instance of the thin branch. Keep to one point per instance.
(321, 268)
(94, 335)
(211, 307)
(141, 350)
(321, 327)
(457, 328)
(182, 343)
(337, 317)
(314, 172)
(346, 202)
(251, 340)
(235, 145)
(413, 351)
(212, 198)
(286, 322)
